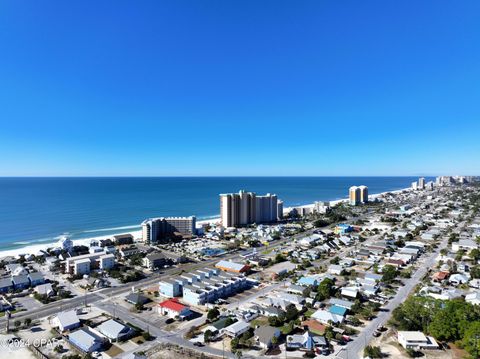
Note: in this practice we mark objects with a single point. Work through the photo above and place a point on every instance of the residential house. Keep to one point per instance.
(300, 341)
(136, 298)
(86, 340)
(325, 317)
(314, 326)
(350, 292)
(335, 269)
(45, 289)
(66, 321)
(457, 279)
(264, 335)
(440, 276)
(115, 331)
(155, 261)
(473, 298)
(236, 329)
(173, 308)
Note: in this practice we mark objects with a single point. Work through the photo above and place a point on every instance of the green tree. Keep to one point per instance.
(234, 343)
(325, 289)
(471, 339)
(291, 312)
(475, 272)
(213, 314)
(389, 274)
(441, 326)
(475, 254)
(280, 258)
(372, 352)
(207, 336)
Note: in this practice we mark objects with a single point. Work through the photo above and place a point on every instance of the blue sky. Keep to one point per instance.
(221, 87)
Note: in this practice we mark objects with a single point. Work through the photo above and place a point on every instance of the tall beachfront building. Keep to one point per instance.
(358, 195)
(354, 195)
(156, 229)
(421, 183)
(363, 194)
(243, 208)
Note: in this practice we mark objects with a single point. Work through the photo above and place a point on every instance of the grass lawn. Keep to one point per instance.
(114, 351)
(284, 329)
(12, 312)
(309, 312)
(259, 321)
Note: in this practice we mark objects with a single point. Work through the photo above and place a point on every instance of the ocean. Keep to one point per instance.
(38, 210)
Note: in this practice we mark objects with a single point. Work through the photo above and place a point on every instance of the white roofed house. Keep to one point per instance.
(335, 269)
(310, 240)
(350, 292)
(45, 289)
(473, 298)
(66, 321)
(457, 279)
(464, 244)
(236, 329)
(115, 331)
(86, 340)
(326, 317)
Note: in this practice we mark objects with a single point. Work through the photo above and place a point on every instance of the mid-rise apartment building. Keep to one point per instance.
(156, 229)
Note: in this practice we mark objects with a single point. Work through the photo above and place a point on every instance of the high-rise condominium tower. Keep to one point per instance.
(243, 208)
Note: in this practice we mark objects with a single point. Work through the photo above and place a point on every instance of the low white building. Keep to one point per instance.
(464, 244)
(473, 298)
(325, 317)
(236, 329)
(416, 340)
(66, 321)
(351, 292)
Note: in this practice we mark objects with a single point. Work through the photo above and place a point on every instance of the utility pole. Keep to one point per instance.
(8, 314)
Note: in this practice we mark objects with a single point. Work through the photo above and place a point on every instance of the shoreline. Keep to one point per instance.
(36, 248)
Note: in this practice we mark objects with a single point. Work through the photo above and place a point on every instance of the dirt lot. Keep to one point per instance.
(389, 345)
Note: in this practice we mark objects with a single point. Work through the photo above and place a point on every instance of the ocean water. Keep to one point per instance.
(38, 210)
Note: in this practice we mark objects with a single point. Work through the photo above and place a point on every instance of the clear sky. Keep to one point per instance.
(239, 87)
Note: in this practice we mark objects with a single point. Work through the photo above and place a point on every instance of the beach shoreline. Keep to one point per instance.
(36, 248)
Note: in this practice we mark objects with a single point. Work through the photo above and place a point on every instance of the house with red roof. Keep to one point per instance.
(173, 308)
(440, 276)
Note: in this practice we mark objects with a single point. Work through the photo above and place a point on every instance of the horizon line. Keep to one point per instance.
(226, 176)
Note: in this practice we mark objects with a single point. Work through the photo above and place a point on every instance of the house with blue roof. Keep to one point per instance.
(304, 341)
(334, 309)
(308, 281)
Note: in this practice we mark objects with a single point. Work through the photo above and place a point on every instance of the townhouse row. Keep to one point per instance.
(203, 286)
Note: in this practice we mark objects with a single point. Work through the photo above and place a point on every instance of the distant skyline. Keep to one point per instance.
(239, 88)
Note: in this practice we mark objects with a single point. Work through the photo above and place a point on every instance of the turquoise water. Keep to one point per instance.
(37, 210)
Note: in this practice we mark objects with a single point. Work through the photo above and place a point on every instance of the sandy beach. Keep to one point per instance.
(34, 249)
